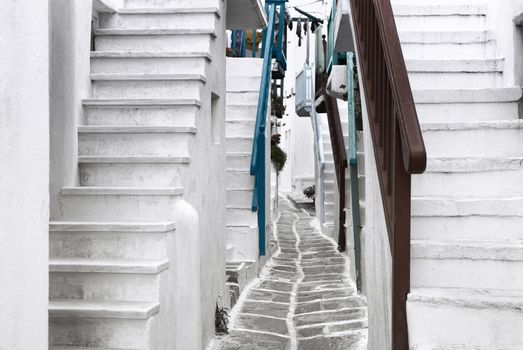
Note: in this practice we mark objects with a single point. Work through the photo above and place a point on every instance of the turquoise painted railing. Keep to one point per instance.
(353, 164)
(258, 159)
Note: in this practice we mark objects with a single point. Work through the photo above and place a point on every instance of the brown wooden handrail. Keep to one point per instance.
(399, 149)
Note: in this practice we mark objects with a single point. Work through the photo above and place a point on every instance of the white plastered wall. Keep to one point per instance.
(24, 175)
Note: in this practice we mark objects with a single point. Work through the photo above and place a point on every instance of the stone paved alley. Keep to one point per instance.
(303, 298)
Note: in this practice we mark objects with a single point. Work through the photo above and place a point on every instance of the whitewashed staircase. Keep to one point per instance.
(124, 255)
(243, 85)
(467, 209)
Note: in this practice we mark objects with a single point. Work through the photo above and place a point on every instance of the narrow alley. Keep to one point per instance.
(303, 299)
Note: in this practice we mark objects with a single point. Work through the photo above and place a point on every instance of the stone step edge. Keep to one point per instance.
(135, 129)
(494, 65)
(145, 32)
(417, 10)
(150, 54)
(102, 309)
(123, 191)
(117, 266)
(169, 10)
(133, 160)
(100, 102)
(147, 77)
(487, 95)
(468, 298)
(470, 165)
(510, 251)
(481, 125)
(460, 206)
(130, 227)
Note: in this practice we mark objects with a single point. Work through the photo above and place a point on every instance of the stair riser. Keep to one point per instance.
(245, 98)
(152, 65)
(436, 23)
(453, 327)
(474, 143)
(245, 242)
(420, 81)
(94, 332)
(239, 145)
(108, 245)
(132, 175)
(452, 51)
(143, 116)
(242, 83)
(171, 3)
(117, 208)
(145, 144)
(160, 21)
(245, 112)
(237, 217)
(241, 199)
(455, 112)
(104, 287)
(464, 273)
(239, 128)
(467, 227)
(148, 89)
(242, 162)
(161, 43)
(495, 183)
(239, 180)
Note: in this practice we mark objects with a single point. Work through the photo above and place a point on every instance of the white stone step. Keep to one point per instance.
(134, 141)
(165, 18)
(467, 264)
(170, 113)
(429, 17)
(467, 95)
(241, 216)
(238, 160)
(243, 84)
(242, 111)
(147, 86)
(106, 279)
(464, 319)
(112, 266)
(191, 4)
(109, 240)
(458, 74)
(474, 139)
(107, 171)
(239, 179)
(234, 128)
(170, 40)
(456, 44)
(467, 218)
(83, 348)
(239, 144)
(119, 203)
(122, 325)
(149, 62)
(243, 97)
(239, 198)
(470, 176)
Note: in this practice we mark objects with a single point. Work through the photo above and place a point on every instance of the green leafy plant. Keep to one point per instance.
(310, 192)
(278, 158)
(221, 320)
(278, 108)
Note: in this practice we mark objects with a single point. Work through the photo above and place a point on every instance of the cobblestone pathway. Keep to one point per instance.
(303, 299)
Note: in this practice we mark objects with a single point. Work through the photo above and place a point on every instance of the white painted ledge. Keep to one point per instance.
(245, 15)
